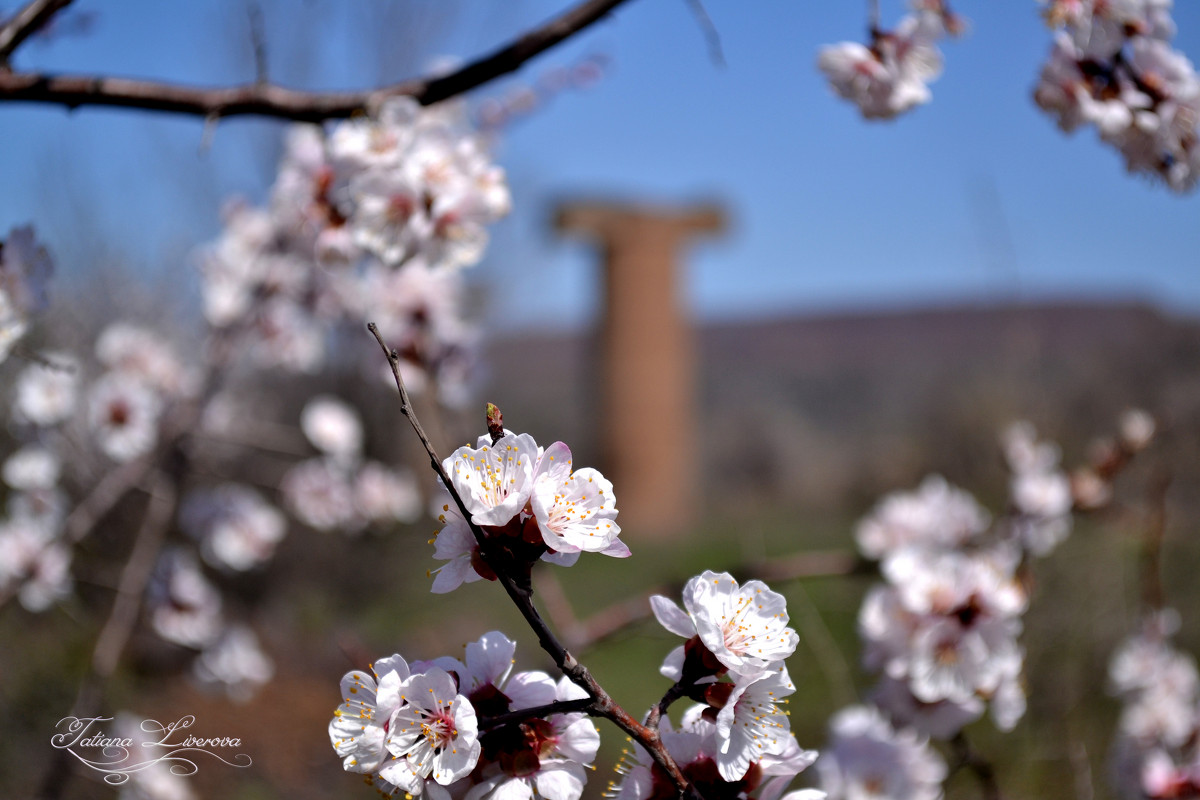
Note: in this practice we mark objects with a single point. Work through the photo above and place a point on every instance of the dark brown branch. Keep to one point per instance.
(269, 100)
(522, 714)
(32, 17)
(601, 703)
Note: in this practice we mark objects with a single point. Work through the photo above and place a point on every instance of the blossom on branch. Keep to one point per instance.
(530, 505)
(743, 627)
(890, 75)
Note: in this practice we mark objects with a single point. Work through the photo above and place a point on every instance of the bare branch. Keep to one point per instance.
(269, 100)
(258, 41)
(26, 22)
(711, 35)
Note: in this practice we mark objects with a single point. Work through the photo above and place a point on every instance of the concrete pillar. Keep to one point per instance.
(649, 431)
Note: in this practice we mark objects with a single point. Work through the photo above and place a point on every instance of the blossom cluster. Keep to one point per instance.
(340, 489)
(369, 220)
(452, 728)
(891, 73)
(1112, 66)
(737, 740)
(1157, 752)
(942, 631)
(185, 608)
(529, 503)
(35, 561)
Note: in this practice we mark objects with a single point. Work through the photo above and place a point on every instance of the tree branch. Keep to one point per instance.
(26, 22)
(602, 704)
(270, 100)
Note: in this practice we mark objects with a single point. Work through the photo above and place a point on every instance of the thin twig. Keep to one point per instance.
(983, 770)
(711, 35)
(26, 22)
(271, 100)
(601, 704)
(1153, 594)
(258, 42)
(829, 656)
(121, 620)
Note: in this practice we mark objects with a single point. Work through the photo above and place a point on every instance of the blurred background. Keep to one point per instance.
(861, 305)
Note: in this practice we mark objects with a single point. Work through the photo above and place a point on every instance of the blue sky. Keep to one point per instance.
(976, 196)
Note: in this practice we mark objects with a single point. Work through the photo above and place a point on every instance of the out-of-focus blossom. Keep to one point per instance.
(32, 467)
(867, 757)
(333, 427)
(32, 561)
(1039, 489)
(123, 414)
(236, 663)
(319, 493)
(1111, 65)
(46, 394)
(891, 75)
(935, 515)
(237, 529)
(385, 495)
(184, 607)
(140, 354)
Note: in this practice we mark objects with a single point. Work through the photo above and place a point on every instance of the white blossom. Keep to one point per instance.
(123, 414)
(46, 394)
(495, 481)
(33, 561)
(236, 663)
(32, 467)
(868, 758)
(935, 515)
(744, 627)
(575, 511)
(184, 607)
(434, 729)
(236, 527)
(333, 427)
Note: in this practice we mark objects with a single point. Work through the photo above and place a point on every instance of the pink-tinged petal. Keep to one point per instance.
(617, 549)
(563, 782)
(672, 617)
